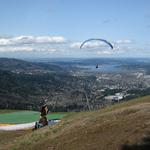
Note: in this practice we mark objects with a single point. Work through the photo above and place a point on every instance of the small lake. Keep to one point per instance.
(108, 68)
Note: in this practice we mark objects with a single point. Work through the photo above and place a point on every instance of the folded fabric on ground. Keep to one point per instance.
(25, 125)
(17, 126)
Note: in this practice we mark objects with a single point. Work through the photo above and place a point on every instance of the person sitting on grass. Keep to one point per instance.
(43, 119)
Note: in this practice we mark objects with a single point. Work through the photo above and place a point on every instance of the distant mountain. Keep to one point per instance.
(17, 66)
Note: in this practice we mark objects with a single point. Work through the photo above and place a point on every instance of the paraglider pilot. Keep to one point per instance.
(44, 112)
(43, 119)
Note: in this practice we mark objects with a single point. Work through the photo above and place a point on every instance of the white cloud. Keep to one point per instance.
(27, 49)
(4, 42)
(20, 40)
(16, 49)
(76, 45)
(49, 50)
(42, 44)
(104, 52)
(52, 50)
(125, 41)
(48, 39)
(58, 46)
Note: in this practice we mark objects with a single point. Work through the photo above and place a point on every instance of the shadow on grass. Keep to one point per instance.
(143, 145)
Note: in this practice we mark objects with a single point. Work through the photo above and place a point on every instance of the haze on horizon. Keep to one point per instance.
(56, 28)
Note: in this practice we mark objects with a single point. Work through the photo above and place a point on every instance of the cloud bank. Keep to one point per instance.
(31, 43)
(60, 46)
(20, 40)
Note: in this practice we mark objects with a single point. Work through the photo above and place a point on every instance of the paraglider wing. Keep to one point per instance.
(97, 40)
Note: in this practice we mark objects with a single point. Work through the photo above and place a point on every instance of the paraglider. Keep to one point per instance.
(96, 65)
(95, 39)
(102, 40)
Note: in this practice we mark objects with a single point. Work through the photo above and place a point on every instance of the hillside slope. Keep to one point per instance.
(18, 65)
(27, 85)
(122, 126)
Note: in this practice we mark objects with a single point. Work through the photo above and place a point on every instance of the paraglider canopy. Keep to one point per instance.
(102, 40)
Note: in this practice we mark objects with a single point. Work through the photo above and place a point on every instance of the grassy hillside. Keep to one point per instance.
(122, 126)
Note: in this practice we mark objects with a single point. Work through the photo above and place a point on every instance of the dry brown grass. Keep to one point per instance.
(10, 137)
(106, 129)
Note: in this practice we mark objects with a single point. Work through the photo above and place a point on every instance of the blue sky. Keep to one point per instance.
(55, 28)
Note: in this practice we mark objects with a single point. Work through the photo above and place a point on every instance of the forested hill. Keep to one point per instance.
(24, 85)
(27, 85)
(17, 66)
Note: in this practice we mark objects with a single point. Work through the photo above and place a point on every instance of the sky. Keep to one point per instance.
(56, 28)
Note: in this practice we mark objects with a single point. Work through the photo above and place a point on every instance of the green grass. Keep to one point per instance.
(20, 116)
(26, 116)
